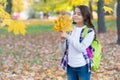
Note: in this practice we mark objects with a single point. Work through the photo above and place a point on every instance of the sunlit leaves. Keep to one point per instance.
(6, 22)
(94, 8)
(17, 5)
(59, 5)
(109, 2)
(63, 7)
(108, 9)
(2, 1)
(67, 5)
(95, 0)
(17, 27)
(44, 6)
(63, 23)
(80, 2)
(3, 13)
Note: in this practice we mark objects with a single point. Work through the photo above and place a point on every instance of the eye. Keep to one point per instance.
(79, 13)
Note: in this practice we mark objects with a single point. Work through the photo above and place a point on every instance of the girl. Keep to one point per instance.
(78, 66)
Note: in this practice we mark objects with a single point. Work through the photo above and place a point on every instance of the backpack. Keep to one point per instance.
(95, 55)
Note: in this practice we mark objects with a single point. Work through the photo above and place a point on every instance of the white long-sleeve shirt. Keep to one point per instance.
(75, 56)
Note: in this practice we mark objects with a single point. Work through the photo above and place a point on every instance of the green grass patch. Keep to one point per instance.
(42, 28)
(34, 29)
(110, 24)
(31, 29)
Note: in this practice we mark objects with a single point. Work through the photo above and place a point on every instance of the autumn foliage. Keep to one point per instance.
(17, 27)
(63, 23)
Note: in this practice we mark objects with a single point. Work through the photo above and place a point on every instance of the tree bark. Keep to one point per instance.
(9, 6)
(101, 20)
(118, 21)
(90, 6)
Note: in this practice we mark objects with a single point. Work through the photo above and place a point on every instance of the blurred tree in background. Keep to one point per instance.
(7, 21)
(65, 5)
(118, 21)
(101, 22)
(9, 6)
(57, 5)
(102, 9)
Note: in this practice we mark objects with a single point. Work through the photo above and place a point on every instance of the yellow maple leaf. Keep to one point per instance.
(17, 28)
(62, 23)
(22, 28)
(11, 27)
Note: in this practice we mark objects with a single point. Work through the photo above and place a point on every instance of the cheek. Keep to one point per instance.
(80, 18)
(77, 18)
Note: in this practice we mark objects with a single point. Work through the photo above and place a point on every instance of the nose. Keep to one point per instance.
(75, 15)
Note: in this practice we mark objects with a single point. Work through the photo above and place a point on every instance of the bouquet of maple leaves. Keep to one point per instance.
(63, 23)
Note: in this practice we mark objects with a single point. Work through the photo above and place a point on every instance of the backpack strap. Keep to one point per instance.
(86, 29)
(83, 33)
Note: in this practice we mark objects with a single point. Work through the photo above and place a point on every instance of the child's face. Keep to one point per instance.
(77, 16)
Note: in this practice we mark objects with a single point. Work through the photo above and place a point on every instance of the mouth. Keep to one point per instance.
(75, 19)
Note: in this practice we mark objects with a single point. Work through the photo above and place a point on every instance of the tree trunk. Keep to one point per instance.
(9, 6)
(90, 6)
(118, 21)
(101, 21)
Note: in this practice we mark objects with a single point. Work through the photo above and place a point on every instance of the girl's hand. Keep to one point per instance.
(63, 36)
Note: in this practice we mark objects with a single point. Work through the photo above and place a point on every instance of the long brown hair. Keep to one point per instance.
(87, 15)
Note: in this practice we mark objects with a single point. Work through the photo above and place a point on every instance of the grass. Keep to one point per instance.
(31, 29)
(110, 24)
(43, 27)
(40, 28)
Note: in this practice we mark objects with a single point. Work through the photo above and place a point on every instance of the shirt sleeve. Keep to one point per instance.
(86, 42)
(63, 46)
